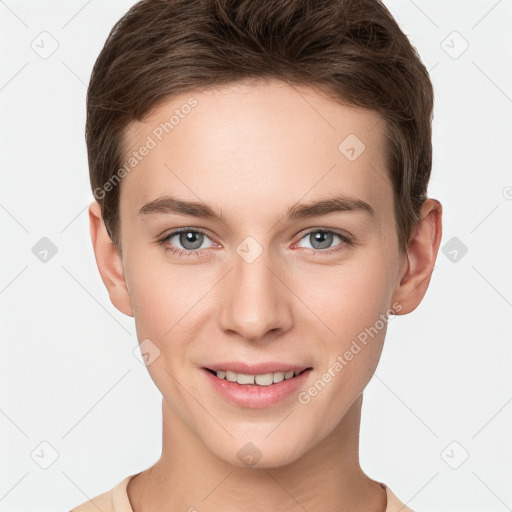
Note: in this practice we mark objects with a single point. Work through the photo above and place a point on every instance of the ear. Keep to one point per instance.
(420, 258)
(109, 262)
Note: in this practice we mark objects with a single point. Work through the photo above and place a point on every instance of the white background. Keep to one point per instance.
(68, 373)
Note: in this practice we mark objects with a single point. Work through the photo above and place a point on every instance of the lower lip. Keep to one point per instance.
(254, 396)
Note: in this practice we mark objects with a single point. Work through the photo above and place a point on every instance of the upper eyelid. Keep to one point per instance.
(338, 232)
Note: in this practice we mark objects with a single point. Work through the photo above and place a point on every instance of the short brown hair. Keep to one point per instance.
(352, 49)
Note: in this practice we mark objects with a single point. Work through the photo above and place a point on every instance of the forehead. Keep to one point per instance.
(269, 141)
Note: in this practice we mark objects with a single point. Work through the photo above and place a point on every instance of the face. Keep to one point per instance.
(287, 261)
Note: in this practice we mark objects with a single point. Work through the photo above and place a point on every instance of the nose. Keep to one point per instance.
(255, 302)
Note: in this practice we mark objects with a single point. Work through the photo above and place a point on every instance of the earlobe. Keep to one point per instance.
(421, 257)
(108, 261)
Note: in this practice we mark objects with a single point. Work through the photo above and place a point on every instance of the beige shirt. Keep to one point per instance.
(116, 500)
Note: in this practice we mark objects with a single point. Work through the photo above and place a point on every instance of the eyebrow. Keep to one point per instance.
(340, 203)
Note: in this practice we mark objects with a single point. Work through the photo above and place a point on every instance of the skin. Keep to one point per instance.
(250, 151)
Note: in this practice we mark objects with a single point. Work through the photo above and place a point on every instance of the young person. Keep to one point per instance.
(260, 176)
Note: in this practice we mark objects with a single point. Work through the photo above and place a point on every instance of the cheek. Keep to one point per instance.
(154, 295)
(351, 308)
(161, 308)
(346, 300)
(169, 301)
(154, 303)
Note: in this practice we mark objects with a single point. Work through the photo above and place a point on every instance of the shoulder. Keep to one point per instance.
(115, 500)
(103, 502)
(394, 503)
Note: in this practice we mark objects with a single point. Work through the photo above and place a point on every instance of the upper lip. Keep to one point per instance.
(257, 368)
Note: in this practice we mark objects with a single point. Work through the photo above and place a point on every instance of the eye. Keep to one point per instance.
(190, 239)
(322, 239)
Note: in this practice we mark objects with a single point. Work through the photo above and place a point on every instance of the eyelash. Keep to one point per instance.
(345, 240)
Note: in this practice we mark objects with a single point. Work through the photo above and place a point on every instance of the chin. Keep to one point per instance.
(259, 451)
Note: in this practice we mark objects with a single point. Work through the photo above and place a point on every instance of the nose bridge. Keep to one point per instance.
(253, 300)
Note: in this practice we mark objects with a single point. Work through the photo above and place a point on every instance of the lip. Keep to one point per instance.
(257, 369)
(254, 396)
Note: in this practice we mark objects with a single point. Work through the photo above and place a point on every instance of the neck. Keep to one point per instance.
(189, 477)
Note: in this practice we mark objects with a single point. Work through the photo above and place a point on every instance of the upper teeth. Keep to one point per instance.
(265, 379)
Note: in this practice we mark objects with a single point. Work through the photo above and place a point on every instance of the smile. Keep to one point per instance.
(264, 379)
(257, 390)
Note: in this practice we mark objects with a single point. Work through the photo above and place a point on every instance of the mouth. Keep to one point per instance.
(260, 379)
(257, 386)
